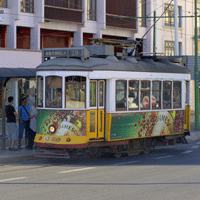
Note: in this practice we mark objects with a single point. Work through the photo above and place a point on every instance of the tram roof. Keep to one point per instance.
(98, 64)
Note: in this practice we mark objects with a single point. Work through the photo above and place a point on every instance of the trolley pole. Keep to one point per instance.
(196, 71)
(154, 34)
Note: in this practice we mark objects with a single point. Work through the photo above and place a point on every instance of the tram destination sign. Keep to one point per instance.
(66, 52)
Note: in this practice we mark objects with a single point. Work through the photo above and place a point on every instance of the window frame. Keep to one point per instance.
(174, 90)
(39, 91)
(160, 90)
(125, 95)
(24, 8)
(91, 10)
(134, 90)
(167, 90)
(169, 21)
(93, 106)
(143, 13)
(79, 87)
(47, 106)
(145, 90)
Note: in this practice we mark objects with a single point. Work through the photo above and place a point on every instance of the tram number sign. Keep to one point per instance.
(62, 53)
(74, 53)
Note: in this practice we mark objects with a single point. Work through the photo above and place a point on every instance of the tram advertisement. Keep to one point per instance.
(143, 124)
(61, 123)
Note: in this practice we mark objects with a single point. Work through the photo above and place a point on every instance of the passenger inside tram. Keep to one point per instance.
(58, 98)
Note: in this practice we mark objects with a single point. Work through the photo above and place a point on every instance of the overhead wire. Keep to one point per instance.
(157, 20)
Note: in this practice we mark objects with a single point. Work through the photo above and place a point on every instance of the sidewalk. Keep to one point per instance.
(7, 156)
(23, 154)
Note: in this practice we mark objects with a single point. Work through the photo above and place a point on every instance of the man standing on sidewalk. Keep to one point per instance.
(11, 124)
(24, 122)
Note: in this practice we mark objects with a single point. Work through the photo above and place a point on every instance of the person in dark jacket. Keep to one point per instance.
(24, 122)
(11, 125)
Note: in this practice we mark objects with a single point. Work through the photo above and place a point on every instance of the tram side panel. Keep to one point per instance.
(61, 127)
(145, 124)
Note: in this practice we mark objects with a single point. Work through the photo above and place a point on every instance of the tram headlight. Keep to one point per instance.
(52, 129)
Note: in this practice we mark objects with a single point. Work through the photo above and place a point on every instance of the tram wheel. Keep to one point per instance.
(117, 155)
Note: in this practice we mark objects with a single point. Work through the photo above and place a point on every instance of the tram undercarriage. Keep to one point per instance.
(115, 149)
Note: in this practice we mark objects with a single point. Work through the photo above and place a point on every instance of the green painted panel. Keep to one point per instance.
(72, 123)
(142, 124)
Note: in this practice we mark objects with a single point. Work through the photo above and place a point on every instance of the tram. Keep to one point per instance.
(92, 100)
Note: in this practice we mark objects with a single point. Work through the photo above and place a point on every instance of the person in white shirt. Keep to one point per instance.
(33, 126)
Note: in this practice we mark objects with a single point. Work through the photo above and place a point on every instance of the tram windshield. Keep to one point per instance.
(75, 88)
(54, 91)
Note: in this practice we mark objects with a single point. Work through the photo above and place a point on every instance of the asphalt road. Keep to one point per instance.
(170, 172)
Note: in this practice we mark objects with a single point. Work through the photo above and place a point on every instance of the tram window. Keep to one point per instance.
(93, 90)
(54, 92)
(156, 95)
(40, 91)
(121, 95)
(145, 95)
(177, 94)
(75, 96)
(101, 92)
(187, 93)
(133, 95)
(167, 88)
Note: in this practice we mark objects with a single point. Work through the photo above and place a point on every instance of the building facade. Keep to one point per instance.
(31, 24)
(27, 26)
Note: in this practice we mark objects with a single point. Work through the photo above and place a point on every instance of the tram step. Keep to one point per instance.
(43, 153)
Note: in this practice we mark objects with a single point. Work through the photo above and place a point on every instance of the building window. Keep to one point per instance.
(91, 10)
(142, 10)
(133, 100)
(27, 6)
(169, 48)
(73, 4)
(169, 15)
(121, 95)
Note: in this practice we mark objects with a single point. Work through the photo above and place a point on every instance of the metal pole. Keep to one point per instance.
(196, 70)
(3, 118)
(154, 34)
(176, 27)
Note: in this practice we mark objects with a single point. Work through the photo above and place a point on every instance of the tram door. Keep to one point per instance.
(97, 110)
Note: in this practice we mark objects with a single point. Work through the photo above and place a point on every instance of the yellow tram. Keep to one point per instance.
(91, 99)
